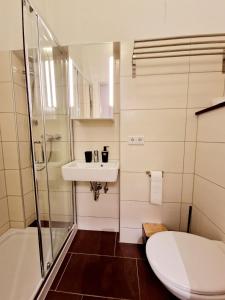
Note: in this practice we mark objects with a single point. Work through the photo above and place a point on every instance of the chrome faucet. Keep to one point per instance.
(96, 157)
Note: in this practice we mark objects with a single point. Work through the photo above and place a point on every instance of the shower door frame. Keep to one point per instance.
(70, 127)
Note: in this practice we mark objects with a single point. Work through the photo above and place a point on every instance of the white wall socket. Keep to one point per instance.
(136, 140)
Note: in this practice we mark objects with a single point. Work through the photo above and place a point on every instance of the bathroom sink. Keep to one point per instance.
(96, 172)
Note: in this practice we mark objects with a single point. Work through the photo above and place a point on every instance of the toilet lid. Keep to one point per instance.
(188, 262)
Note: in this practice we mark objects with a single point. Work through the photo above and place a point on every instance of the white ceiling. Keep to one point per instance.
(81, 21)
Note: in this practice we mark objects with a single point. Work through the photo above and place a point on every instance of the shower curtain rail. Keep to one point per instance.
(141, 48)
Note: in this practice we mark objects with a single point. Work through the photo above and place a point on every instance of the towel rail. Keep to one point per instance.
(145, 45)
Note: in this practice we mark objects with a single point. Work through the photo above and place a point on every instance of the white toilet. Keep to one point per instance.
(190, 266)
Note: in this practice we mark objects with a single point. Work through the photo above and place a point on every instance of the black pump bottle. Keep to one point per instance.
(105, 154)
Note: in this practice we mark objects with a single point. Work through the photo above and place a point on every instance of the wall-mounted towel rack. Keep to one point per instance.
(204, 45)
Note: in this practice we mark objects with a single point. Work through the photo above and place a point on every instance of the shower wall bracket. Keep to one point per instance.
(177, 47)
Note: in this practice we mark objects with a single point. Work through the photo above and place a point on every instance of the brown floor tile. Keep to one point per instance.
(93, 242)
(130, 250)
(62, 296)
(96, 298)
(150, 287)
(101, 276)
(61, 269)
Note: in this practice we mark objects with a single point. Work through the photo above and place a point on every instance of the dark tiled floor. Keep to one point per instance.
(98, 267)
(94, 242)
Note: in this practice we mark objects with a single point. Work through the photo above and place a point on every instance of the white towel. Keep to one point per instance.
(156, 188)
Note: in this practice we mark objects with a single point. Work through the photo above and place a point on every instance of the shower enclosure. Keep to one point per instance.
(51, 134)
(37, 211)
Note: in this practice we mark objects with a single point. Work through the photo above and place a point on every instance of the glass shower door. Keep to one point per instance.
(46, 68)
(31, 43)
(57, 134)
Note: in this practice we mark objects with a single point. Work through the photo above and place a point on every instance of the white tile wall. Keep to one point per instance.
(191, 125)
(209, 187)
(11, 155)
(133, 213)
(131, 235)
(4, 214)
(5, 63)
(21, 99)
(100, 224)
(210, 161)
(2, 185)
(209, 198)
(14, 128)
(154, 92)
(13, 183)
(107, 206)
(163, 66)
(187, 188)
(203, 87)
(6, 103)
(155, 125)
(101, 131)
(130, 190)
(161, 107)
(81, 147)
(184, 217)
(189, 157)
(203, 226)
(165, 156)
(94, 135)
(16, 208)
(84, 187)
(211, 127)
(8, 127)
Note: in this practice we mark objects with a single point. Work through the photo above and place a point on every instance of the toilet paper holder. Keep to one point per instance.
(149, 173)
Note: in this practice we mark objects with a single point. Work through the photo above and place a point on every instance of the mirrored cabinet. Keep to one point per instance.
(91, 71)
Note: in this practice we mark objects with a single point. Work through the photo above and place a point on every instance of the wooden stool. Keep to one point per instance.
(149, 229)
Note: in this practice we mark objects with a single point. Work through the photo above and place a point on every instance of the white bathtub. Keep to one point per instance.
(20, 273)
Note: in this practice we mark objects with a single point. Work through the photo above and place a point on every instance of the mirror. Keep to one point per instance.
(91, 80)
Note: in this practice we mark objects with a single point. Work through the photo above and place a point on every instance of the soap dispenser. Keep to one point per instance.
(105, 154)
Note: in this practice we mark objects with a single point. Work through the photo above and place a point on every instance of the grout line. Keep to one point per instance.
(144, 172)
(207, 217)
(171, 73)
(165, 108)
(115, 244)
(105, 141)
(104, 255)
(89, 295)
(185, 135)
(160, 141)
(139, 290)
(195, 162)
(146, 201)
(98, 218)
(206, 179)
(63, 271)
(212, 142)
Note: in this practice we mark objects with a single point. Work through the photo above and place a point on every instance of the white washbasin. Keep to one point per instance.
(99, 172)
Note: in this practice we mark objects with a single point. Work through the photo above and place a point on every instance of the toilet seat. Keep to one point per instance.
(189, 263)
